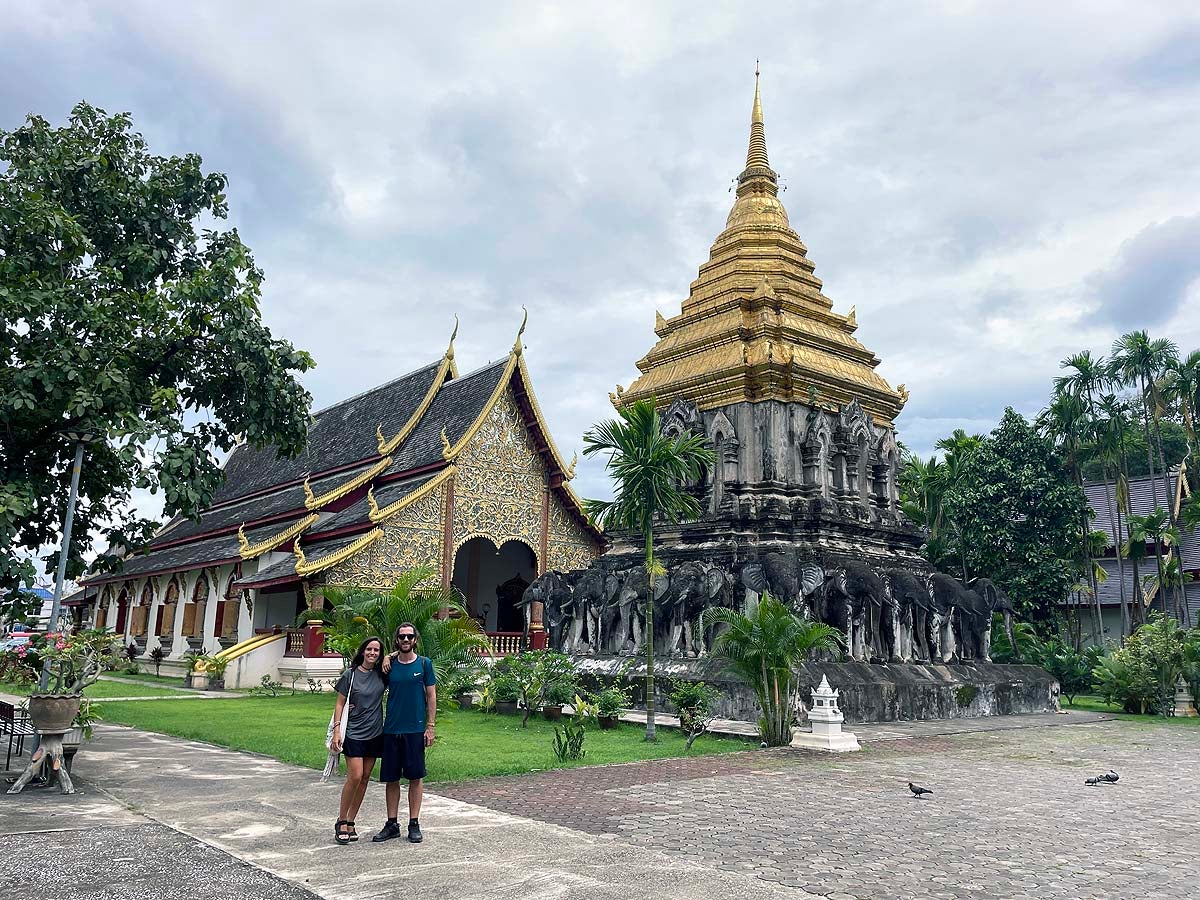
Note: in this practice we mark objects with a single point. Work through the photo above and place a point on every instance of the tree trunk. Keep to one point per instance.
(1115, 524)
(1177, 590)
(650, 733)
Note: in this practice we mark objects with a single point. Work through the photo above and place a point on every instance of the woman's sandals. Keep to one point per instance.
(342, 836)
(353, 833)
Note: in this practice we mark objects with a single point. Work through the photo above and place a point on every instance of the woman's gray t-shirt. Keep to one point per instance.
(366, 703)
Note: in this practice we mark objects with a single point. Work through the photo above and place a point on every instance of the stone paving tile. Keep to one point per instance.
(1010, 816)
(135, 862)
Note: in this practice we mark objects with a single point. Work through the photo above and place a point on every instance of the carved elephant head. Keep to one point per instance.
(784, 576)
(996, 601)
(554, 593)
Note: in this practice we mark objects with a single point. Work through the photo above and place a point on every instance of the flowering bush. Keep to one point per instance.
(76, 660)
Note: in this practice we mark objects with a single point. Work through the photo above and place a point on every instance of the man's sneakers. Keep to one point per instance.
(389, 831)
(392, 830)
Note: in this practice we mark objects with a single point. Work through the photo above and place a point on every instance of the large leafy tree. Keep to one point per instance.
(119, 313)
(650, 470)
(1020, 517)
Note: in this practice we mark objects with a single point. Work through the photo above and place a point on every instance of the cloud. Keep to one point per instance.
(963, 174)
(1150, 277)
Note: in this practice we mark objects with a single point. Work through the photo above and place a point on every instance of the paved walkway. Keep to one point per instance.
(1010, 817)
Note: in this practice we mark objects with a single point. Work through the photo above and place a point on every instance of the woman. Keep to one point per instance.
(362, 686)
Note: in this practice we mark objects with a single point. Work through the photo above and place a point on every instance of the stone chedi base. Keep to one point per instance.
(826, 721)
(867, 692)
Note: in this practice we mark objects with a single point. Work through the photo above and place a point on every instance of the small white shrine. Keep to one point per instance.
(826, 719)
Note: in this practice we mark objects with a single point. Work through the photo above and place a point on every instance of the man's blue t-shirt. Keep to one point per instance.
(406, 696)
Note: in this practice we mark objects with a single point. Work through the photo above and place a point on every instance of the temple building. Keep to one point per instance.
(759, 362)
(456, 473)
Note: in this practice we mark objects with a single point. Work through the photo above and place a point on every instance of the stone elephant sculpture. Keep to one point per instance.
(593, 593)
(785, 577)
(975, 619)
(852, 597)
(694, 586)
(632, 597)
(950, 598)
(552, 590)
(914, 608)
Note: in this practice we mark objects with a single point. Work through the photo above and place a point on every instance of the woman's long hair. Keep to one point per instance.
(360, 655)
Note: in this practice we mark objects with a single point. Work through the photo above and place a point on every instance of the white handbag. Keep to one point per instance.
(332, 760)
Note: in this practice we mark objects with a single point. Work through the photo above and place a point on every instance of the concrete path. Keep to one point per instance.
(1010, 817)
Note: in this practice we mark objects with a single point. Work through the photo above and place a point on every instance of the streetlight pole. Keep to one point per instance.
(81, 438)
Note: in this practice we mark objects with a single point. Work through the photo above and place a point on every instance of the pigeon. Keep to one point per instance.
(1111, 777)
(1099, 779)
(918, 790)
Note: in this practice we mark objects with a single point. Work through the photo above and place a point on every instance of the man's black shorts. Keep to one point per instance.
(403, 757)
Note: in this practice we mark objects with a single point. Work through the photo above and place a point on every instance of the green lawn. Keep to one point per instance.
(165, 680)
(1092, 703)
(100, 689)
(470, 744)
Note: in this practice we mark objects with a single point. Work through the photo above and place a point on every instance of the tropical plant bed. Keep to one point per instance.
(470, 744)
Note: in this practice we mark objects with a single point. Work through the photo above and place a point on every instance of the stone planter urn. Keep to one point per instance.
(607, 723)
(465, 701)
(552, 713)
(200, 681)
(506, 707)
(53, 713)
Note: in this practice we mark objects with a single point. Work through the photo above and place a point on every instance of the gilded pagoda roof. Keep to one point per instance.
(755, 325)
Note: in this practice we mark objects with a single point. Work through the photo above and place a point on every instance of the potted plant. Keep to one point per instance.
(505, 692)
(75, 661)
(556, 695)
(212, 668)
(609, 703)
(462, 687)
(195, 671)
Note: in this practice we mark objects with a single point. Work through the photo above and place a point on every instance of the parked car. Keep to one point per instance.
(14, 641)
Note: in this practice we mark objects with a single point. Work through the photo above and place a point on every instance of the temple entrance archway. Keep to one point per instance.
(492, 580)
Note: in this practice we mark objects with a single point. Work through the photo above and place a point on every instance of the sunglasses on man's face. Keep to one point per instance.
(406, 637)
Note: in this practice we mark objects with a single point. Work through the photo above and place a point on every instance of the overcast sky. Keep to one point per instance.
(993, 186)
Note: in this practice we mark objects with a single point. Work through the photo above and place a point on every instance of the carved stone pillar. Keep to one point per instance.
(210, 642)
(179, 646)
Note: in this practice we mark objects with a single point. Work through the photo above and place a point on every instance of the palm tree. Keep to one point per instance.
(649, 469)
(1182, 386)
(452, 642)
(1155, 528)
(1065, 422)
(1111, 437)
(764, 648)
(1139, 361)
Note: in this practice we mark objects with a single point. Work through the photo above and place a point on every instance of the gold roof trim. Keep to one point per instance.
(450, 451)
(305, 566)
(380, 513)
(249, 551)
(448, 367)
(312, 502)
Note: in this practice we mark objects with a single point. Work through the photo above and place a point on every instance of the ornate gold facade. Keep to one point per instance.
(412, 537)
(500, 486)
(755, 325)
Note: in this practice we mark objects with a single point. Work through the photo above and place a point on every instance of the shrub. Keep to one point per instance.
(558, 693)
(157, 656)
(611, 700)
(504, 689)
(535, 671)
(1072, 669)
(1141, 675)
(694, 700)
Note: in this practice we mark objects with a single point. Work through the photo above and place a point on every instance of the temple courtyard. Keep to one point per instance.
(1010, 817)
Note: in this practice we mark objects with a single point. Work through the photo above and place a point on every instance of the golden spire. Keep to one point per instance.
(450, 349)
(517, 346)
(756, 155)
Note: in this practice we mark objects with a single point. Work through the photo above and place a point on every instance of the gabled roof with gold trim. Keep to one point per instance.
(755, 325)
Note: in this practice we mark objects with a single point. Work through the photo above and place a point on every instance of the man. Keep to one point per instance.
(407, 730)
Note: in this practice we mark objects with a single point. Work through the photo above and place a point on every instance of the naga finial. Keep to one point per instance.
(570, 473)
(243, 542)
(520, 332)
(445, 445)
(309, 496)
(851, 317)
(382, 441)
(372, 503)
(301, 562)
(453, 335)
(903, 392)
